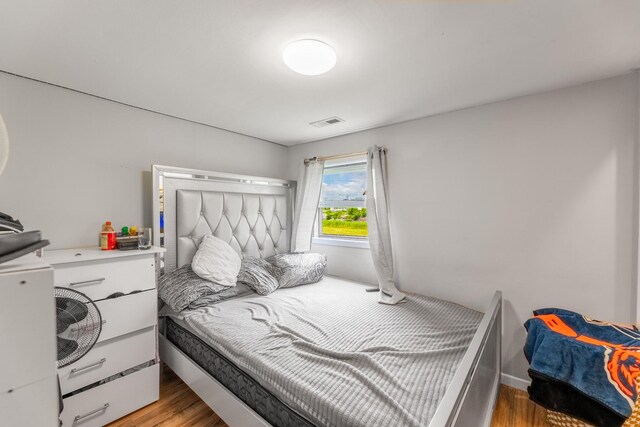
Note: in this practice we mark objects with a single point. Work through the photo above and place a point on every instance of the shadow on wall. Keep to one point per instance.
(513, 359)
(626, 268)
(147, 198)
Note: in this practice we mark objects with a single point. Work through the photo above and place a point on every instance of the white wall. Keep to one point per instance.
(77, 160)
(534, 196)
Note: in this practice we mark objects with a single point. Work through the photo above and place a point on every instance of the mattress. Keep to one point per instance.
(233, 378)
(328, 354)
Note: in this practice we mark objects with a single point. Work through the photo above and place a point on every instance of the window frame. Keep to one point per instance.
(334, 239)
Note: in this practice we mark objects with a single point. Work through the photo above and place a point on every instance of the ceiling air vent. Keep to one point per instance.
(330, 121)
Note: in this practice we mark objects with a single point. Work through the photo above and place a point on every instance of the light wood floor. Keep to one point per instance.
(514, 409)
(179, 406)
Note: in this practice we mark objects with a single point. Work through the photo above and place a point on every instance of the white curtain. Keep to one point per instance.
(307, 206)
(378, 221)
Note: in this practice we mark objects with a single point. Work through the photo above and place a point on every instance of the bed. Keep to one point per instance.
(321, 354)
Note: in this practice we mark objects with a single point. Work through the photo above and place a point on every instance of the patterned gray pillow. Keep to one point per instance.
(233, 292)
(260, 275)
(300, 269)
(182, 286)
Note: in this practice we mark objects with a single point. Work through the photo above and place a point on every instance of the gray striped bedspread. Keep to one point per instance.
(339, 358)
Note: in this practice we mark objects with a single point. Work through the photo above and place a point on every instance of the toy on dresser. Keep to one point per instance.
(129, 238)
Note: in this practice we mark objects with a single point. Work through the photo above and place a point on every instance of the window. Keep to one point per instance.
(342, 215)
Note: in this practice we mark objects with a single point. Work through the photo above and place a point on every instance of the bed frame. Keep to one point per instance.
(470, 397)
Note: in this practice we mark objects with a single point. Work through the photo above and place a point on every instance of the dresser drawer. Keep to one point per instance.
(99, 279)
(108, 358)
(108, 402)
(128, 313)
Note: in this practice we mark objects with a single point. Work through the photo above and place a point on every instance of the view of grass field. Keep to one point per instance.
(344, 228)
(344, 222)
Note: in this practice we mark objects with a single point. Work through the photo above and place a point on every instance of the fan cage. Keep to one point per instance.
(79, 324)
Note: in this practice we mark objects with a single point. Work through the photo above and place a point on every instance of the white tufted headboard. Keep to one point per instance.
(254, 215)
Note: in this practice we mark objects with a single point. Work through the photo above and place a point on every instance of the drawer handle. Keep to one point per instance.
(98, 363)
(88, 414)
(88, 282)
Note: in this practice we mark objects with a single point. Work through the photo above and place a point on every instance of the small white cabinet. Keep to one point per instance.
(120, 373)
(28, 385)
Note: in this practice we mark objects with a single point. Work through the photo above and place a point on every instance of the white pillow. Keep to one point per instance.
(216, 261)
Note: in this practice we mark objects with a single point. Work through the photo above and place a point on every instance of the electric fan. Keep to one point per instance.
(78, 324)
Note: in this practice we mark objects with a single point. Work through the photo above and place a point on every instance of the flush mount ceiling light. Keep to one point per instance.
(309, 57)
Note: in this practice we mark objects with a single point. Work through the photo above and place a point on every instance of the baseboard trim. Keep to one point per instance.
(514, 382)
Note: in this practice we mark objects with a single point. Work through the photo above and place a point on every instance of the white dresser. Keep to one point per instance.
(28, 385)
(120, 374)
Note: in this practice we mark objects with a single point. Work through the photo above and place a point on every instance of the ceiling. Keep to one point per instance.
(220, 62)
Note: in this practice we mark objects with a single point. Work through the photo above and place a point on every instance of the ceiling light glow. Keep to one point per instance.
(309, 57)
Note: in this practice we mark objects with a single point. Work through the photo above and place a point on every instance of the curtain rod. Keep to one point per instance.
(338, 156)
